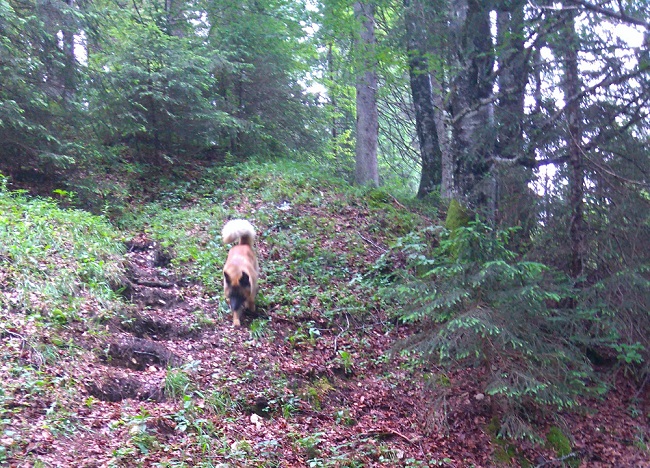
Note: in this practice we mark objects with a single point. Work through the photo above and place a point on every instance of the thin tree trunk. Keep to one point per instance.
(447, 156)
(367, 172)
(509, 112)
(572, 87)
(70, 69)
(174, 10)
(330, 70)
(515, 200)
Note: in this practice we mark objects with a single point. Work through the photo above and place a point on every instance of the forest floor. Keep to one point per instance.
(170, 382)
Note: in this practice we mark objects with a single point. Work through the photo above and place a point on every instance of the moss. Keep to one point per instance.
(443, 380)
(504, 454)
(379, 197)
(556, 440)
(317, 391)
(493, 427)
(457, 216)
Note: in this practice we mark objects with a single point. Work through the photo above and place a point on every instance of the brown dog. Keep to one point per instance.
(241, 270)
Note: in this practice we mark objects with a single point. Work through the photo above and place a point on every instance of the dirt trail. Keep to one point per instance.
(175, 325)
(152, 337)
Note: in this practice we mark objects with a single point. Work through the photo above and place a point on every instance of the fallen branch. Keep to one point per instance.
(153, 284)
(373, 244)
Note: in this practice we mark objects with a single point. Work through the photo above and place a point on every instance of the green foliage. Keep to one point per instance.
(346, 360)
(192, 234)
(49, 256)
(268, 43)
(177, 383)
(153, 89)
(505, 453)
(317, 391)
(151, 84)
(221, 402)
(480, 305)
(141, 440)
(300, 270)
(34, 104)
(560, 443)
(619, 307)
(259, 328)
(556, 440)
(311, 445)
(342, 59)
(57, 266)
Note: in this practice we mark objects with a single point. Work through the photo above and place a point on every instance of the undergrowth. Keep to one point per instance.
(480, 305)
(58, 263)
(59, 269)
(476, 303)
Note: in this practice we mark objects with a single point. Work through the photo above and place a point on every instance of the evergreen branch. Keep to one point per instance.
(604, 83)
(611, 173)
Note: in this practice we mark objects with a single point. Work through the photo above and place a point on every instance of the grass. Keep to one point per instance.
(59, 269)
(177, 383)
(58, 265)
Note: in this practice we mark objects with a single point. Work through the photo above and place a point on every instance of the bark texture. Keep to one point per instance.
(572, 88)
(367, 172)
(422, 93)
(473, 137)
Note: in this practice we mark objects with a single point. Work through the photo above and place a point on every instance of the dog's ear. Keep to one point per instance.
(244, 281)
(226, 277)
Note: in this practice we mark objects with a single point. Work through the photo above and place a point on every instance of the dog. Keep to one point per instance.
(241, 271)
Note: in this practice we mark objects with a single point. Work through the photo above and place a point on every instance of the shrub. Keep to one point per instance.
(480, 305)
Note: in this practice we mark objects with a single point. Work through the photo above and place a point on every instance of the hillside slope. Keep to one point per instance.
(118, 350)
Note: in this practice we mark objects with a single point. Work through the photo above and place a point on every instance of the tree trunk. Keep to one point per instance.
(572, 88)
(367, 172)
(175, 20)
(330, 71)
(70, 68)
(447, 156)
(509, 112)
(472, 118)
(515, 200)
(423, 100)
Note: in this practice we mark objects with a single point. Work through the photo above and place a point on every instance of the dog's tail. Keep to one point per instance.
(238, 229)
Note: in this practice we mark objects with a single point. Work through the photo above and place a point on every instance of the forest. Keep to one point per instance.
(452, 206)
